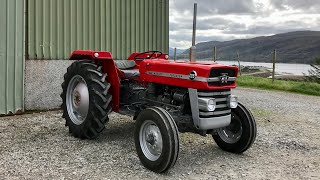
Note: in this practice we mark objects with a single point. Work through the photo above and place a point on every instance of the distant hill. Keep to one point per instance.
(293, 47)
(179, 51)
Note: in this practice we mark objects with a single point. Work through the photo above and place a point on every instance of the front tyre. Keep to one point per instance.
(86, 100)
(240, 134)
(156, 139)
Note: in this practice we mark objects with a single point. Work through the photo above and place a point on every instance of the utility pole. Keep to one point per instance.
(175, 54)
(238, 57)
(274, 59)
(215, 54)
(193, 48)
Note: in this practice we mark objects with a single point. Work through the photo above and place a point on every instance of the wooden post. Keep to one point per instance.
(215, 54)
(175, 54)
(274, 59)
(238, 57)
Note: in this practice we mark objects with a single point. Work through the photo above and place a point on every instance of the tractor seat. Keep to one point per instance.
(126, 67)
(131, 73)
(125, 64)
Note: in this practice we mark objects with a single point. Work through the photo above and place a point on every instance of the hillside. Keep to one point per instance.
(293, 47)
(179, 51)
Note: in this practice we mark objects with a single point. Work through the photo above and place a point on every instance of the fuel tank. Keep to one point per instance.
(196, 75)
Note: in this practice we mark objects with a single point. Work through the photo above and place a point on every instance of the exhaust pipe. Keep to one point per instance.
(193, 48)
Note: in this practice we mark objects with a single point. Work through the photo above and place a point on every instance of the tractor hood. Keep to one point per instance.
(197, 75)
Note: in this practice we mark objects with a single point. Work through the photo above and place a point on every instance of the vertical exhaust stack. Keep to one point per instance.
(193, 48)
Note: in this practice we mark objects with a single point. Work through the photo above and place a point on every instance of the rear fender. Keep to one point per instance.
(113, 78)
(91, 55)
(104, 59)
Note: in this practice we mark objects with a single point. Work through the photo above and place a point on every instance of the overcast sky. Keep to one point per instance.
(220, 20)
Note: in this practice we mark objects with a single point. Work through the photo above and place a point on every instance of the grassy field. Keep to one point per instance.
(281, 85)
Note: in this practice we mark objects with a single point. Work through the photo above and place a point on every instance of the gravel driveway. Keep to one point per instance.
(38, 146)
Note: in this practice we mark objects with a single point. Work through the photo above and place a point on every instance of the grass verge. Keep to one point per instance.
(281, 85)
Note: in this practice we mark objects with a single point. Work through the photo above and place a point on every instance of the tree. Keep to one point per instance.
(315, 71)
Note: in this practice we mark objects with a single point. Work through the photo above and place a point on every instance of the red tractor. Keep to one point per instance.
(164, 97)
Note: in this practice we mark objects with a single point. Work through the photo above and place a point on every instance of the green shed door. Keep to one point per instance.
(11, 56)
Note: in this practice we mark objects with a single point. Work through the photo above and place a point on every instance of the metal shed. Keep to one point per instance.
(11, 56)
(57, 27)
(36, 36)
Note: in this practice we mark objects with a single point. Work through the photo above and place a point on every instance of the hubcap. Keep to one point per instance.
(77, 100)
(150, 140)
(232, 133)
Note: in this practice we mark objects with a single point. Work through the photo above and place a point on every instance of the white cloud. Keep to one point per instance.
(220, 20)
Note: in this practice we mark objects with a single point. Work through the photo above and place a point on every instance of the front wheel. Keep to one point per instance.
(156, 139)
(240, 134)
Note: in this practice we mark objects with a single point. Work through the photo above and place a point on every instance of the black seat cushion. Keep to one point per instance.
(131, 73)
(125, 64)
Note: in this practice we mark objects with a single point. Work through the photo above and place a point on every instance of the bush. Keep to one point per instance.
(315, 71)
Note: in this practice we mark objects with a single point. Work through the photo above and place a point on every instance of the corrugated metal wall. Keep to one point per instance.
(11, 56)
(57, 27)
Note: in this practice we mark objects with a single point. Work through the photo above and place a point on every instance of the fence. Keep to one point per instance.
(296, 69)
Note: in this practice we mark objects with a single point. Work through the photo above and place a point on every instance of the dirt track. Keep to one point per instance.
(38, 146)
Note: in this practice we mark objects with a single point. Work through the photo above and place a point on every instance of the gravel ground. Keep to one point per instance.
(38, 146)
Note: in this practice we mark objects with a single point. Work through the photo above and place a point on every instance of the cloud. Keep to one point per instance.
(206, 7)
(208, 23)
(307, 6)
(220, 20)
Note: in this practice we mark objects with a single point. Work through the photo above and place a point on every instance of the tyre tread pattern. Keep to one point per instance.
(251, 131)
(176, 146)
(168, 159)
(100, 99)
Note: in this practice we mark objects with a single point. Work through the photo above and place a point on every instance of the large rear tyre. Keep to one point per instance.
(156, 139)
(240, 134)
(86, 101)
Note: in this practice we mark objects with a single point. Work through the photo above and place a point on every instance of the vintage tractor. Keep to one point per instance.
(163, 96)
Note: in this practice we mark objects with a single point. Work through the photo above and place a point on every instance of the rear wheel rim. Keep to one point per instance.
(77, 100)
(232, 133)
(150, 140)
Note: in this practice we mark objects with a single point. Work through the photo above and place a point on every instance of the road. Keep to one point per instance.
(38, 146)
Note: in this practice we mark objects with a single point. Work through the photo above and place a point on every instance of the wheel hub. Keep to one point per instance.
(77, 100)
(151, 140)
(233, 132)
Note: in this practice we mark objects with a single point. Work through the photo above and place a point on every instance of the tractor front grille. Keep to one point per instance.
(217, 74)
(218, 83)
(221, 97)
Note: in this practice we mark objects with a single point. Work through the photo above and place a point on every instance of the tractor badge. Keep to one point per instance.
(193, 75)
(224, 78)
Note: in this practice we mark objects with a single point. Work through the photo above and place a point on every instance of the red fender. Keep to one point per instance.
(105, 59)
(91, 55)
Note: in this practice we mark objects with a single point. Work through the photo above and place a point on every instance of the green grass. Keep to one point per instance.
(281, 85)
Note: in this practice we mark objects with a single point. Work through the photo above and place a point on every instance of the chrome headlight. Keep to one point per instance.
(232, 101)
(207, 104)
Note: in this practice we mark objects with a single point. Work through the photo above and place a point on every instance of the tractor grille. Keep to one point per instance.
(229, 83)
(217, 73)
(221, 97)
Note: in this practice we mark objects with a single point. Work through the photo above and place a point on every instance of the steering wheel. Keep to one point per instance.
(150, 56)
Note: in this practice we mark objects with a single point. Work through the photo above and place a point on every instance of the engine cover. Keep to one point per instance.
(204, 76)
